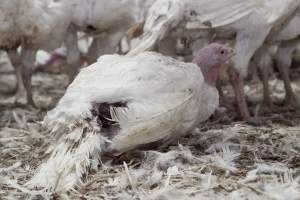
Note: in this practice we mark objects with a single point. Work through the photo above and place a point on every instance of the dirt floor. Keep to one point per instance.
(221, 159)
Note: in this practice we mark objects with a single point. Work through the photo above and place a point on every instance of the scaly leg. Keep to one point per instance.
(73, 53)
(263, 61)
(92, 53)
(283, 63)
(253, 73)
(238, 84)
(27, 58)
(247, 42)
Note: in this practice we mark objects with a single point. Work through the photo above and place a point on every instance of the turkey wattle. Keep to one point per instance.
(122, 102)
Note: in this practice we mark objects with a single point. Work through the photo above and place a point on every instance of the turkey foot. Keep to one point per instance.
(268, 107)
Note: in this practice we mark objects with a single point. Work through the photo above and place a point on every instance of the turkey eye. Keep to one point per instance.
(222, 52)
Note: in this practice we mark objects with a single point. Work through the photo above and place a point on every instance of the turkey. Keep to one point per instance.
(287, 40)
(106, 22)
(31, 25)
(121, 102)
(247, 22)
(279, 47)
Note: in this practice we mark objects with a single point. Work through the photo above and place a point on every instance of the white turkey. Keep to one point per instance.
(120, 103)
(287, 41)
(31, 25)
(247, 22)
(106, 22)
(279, 46)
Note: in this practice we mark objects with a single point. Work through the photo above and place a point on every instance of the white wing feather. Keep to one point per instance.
(162, 16)
(220, 12)
(138, 128)
(166, 14)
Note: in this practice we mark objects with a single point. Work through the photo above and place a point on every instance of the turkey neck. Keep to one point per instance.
(211, 75)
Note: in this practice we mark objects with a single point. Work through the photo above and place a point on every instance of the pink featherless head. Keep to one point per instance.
(210, 59)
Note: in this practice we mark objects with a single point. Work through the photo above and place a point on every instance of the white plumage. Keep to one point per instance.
(107, 22)
(251, 20)
(31, 22)
(105, 15)
(147, 97)
(287, 40)
(32, 25)
(247, 22)
(290, 31)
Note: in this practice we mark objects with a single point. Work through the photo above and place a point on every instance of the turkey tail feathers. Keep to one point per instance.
(70, 160)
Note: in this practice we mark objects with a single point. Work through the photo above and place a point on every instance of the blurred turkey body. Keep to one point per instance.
(287, 40)
(31, 25)
(247, 22)
(105, 21)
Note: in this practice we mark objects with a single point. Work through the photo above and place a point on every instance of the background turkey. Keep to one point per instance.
(247, 22)
(30, 25)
